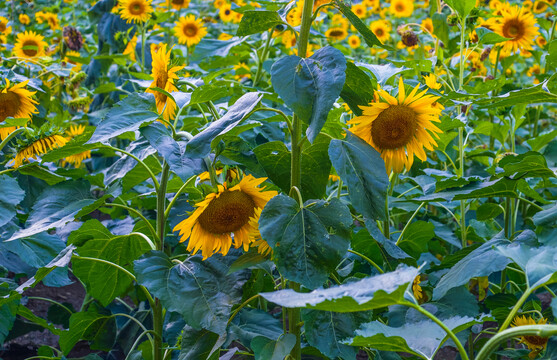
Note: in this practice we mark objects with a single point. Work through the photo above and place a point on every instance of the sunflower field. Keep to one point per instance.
(278, 179)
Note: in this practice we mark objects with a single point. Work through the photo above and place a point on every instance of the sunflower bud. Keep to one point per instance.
(452, 20)
(409, 38)
(73, 38)
(485, 53)
(472, 18)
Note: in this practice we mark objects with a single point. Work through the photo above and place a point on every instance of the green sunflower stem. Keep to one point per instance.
(142, 27)
(526, 330)
(515, 308)
(11, 136)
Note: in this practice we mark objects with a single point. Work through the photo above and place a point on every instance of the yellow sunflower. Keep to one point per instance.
(519, 27)
(219, 3)
(256, 240)
(360, 10)
(136, 11)
(428, 25)
(228, 211)
(189, 30)
(24, 19)
(76, 66)
(180, 4)
(431, 82)
(29, 45)
(539, 6)
(130, 48)
(535, 343)
(226, 14)
(38, 147)
(541, 41)
(4, 28)
(381, 29)
(163, 78)
(337, 33)
(417, 289)
(76, 159)
(17, 102)
(399, 128)
(354, 41)
(402, 8)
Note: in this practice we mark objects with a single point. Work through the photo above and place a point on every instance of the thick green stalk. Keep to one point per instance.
(296, 172)
(515, 308)
(526, 330)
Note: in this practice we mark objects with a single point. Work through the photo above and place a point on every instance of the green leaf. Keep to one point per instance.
(363, 171)
(530, 164)
(41, 173)
(416, 238)
(488, 211)
(551, 58)
(275, 158)
(28, 315)
(488, 37)
(546, 217)
(310, 86)
(12, 195)
(265, 349)
(421, 338)
(326, 330)
(127, 115)
(482, 261)
(462, 7)
(537, 143)
(493, 188)
(56, 206)
(174, 152)
(105, 282)
(200, 145)
(8, 312)
(303, 249)
(366, 294)
(536, 94)
(254, 22)
(369, 37)
(538, 263)
(201, 291)
(212, 47)
(206, 93)
(88, 325)
(250, 323)
(358, 88)
(35, 251)
(199, 344)
(440, 27)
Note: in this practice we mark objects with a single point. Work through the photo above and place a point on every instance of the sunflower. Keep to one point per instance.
(136, 11)
(541, 41)
(225, 13)
(337, 33)
(428, 25)
(163, 78)
(381, 29)
(241, 71)
(24, 19)
(179, 4)
(402, 8)
(229, 210)
(4, 28)
(539, 6)
(38, 147)
(354, 41)
(399, 128)
(520, 29)
(16, 102)
(256, 240)
(535, 343)
(76, 159)
(360, 10)
(189, 30)
(417, 289)
(431, 82)
(130, 48)
(219, 3)
(29, 45)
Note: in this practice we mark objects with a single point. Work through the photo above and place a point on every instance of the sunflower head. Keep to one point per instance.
(399, 128)
(519, 26)
(417, 289)
(402, 8)
(189, 30)
(72, 38)
(29, 45)
(16, 101)
(136, 11)
(226, 217)
(535, 343)
(354, 41)
(24, 19)
(37, 146)
(337, 33)
(179, 4)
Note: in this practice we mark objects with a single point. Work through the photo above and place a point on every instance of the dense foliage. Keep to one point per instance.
(280, 179)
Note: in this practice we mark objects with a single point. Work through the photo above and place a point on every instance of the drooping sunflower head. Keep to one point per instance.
(417, 289)
(38, 147)
(136, 11)
(163, 78)
(16, 101)
(337, 33)
(224, 218)
(189, 30)
(519, 26)
(535, 343)
(29, 45)
(256, 240)
(72, 38)
(399, 128)
(402, 8)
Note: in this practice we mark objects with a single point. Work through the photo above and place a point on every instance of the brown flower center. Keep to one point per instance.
(190, 30)
(394, 127)
(513, 29)
(30, 48)
(2, 26)
(227, 213)
(336, 33)
(178, 2)
(161, 79)
(379, 32)
(399, 7)
(136, 8)
(9, 105)
(537, 341)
